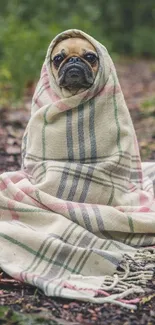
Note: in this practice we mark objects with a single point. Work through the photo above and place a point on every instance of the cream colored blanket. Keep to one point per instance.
(73, 219)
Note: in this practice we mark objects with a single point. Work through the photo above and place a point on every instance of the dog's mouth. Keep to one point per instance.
(75, 76)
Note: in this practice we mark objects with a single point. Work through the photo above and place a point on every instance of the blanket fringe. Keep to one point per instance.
(137, 271)
(130, 279)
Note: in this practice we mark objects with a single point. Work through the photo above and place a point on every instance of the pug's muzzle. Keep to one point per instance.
(75, 73)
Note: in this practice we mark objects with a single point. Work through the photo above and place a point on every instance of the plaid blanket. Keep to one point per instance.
(78, 219)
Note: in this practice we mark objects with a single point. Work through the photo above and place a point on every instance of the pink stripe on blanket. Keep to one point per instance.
(56, 99)
(11, 178)
(108, 90)
(38, 102)
(58, 207)
(11, 207)
(53, 99)
(61, 207)
(98, 292)
(52, 95)
(28, 191)
(143, 209)
(144, 199)
(4, 183)
(19, 196)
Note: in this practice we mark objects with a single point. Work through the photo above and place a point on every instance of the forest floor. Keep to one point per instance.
(23, 304)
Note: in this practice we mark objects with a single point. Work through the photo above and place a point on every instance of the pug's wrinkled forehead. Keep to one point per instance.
(74, 46)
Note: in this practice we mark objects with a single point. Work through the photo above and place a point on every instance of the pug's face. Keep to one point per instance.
(74, 63)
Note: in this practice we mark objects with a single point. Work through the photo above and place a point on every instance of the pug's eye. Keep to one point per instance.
(57, 60)
(90, 57)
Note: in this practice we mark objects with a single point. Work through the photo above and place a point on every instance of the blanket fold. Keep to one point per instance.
(78, 219)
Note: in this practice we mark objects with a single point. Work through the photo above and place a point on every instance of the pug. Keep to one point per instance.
(74, 64)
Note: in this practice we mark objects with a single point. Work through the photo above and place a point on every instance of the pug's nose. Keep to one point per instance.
(74, 59)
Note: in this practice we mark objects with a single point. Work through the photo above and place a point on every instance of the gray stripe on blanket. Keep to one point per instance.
(92, 128)
(87, 183)
(97, 180)
(71, 211)
(81, 132)
(60, 253)
(65, 256)
(75, 182)
(86, 218)
(99, 218)
(63, 181)
(111, 258)
(69, 135)
(81, 263)
(72, 253)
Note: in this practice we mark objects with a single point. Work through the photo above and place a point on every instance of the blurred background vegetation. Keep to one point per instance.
(125, 27)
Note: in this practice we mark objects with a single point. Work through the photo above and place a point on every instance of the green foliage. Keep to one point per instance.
(10, 317)
(148, 107)
(24, 49)
(27, 27)
(143, 41)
